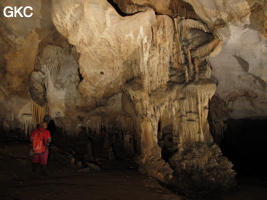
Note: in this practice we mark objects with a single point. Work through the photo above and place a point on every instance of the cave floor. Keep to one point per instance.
(63, 182)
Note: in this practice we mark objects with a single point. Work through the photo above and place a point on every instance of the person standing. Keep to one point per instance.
(40, 157)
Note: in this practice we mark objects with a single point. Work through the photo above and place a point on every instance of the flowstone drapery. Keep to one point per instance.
(160, 66)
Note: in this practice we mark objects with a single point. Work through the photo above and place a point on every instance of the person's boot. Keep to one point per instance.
(34, 168)
(43, 172)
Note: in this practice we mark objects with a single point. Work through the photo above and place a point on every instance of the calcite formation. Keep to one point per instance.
(104, 39)
(137, 79)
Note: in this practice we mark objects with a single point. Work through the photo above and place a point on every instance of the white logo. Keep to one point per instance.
(10, 12)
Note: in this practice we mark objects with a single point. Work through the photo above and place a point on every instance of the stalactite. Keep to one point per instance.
(199, 102)
(146, 46)
(183, 32)
(186, 74)
(27, 124)
(38, 112)
(196, 63)
(218, 130)
(191, 67)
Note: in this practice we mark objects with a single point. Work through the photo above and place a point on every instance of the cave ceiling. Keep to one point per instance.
(106, 37)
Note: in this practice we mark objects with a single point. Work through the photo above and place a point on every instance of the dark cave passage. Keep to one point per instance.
(244, 143)
(165, 141)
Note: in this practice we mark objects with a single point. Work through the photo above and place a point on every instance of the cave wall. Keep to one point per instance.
(240, 71)
(138, 77)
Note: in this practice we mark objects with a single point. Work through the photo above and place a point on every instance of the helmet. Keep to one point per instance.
(44, 124)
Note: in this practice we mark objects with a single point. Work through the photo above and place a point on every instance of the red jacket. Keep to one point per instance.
(46, 134)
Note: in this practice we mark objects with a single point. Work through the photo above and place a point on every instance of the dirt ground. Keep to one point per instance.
(65, 182)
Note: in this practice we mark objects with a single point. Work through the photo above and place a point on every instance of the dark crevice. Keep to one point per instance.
(80, 75)
(116, 7)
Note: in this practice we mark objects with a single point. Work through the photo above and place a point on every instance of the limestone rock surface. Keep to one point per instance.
(240, 72)
(104, 39)
(136, 79)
